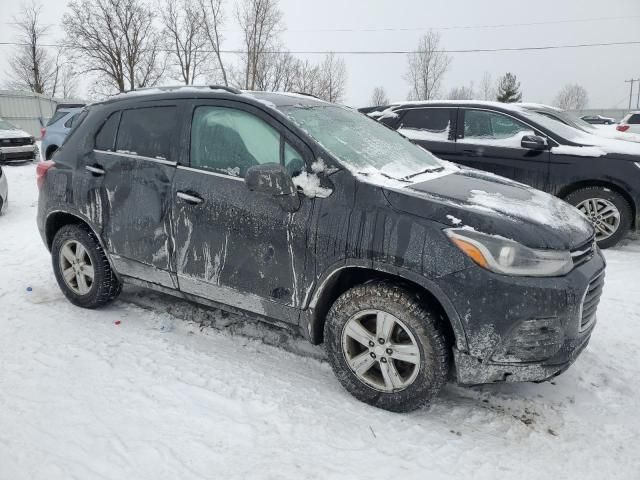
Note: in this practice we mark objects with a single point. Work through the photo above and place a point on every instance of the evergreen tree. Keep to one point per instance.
(509, 89)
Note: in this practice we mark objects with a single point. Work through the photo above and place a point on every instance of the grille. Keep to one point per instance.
(16, 142)
(17, 156)
(591, 300)
(583, 253)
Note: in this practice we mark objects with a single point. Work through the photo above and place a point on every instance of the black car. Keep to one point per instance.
(600, 176)
(290, 209)
(598, 120)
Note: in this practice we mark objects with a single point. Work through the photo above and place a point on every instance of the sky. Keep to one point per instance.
(394, 25)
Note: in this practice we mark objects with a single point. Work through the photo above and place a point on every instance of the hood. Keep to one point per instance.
(495, 205)
(14, 133)
(598, 145)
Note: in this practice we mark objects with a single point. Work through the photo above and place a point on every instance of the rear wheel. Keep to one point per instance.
(82, 269)
(386, 347)
(608, 211)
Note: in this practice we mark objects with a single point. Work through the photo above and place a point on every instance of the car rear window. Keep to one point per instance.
(57, 116)
(147, 131)
(634, 119)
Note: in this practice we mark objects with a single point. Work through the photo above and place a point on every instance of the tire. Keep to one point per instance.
(602, 195)
(424, 377)
(103, 288)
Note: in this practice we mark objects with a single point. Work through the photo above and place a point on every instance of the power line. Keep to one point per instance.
(381, 52)
(441, 28)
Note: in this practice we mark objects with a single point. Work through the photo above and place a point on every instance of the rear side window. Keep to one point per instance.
(106, 137)
(147, 131)
(427, 123)
(634, 119)
(69, 123)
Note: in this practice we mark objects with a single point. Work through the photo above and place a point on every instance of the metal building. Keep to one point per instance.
(28, 110)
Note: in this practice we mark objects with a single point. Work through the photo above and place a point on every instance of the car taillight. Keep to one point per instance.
(41, 171)
(622, 128)
(43, 130)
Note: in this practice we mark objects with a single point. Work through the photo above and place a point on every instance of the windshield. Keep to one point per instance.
(556, 126)
(4, 125)
(360, 143)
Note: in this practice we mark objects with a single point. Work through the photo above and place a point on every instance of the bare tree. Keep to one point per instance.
(427, 66)
(487, 90)
(65, 78)
(260, 24)
(307, 78)
(183, 27)
(213, 20)
(462, 93)
(32, 67)
(379, 97)
(277, 71)
(117, 40)
(333, 79)
(572, 97)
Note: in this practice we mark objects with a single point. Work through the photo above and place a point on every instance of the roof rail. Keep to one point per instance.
(225, 88)
(307, 95)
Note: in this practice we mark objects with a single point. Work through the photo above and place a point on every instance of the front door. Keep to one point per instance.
(491, 141)
(235, 246)
(132, 167)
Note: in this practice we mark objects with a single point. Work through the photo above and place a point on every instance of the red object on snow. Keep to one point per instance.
(117, 322)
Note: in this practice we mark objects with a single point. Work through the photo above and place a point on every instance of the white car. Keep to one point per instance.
(630, 123)
(4, 192)
(16, 145)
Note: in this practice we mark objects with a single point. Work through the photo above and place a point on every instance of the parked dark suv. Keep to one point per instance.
(302, 212)
(600, 176)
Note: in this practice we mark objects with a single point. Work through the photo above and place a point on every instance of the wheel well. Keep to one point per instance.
(564, 192)
(56, 221)
(348, 278)
(49, 152)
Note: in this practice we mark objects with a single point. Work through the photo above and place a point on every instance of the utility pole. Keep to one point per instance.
(631, 81)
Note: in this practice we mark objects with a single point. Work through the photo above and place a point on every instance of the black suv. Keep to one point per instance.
(600, 176)
(291, 209)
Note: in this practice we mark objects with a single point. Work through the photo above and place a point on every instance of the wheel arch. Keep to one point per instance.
(50, 151)
(341, 278)
(569, 189)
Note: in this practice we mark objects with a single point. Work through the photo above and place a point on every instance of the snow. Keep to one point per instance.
(309, 183)
(425, 134)
(578, 151)
(541, 208)
(454, 220)
(609, 131)
(178, 392)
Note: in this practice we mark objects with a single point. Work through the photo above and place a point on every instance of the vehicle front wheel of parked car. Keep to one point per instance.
(608, 211)
(387, 348)
(82, 269)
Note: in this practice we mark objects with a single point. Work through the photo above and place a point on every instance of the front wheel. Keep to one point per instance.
(608, 211)
(386, 347)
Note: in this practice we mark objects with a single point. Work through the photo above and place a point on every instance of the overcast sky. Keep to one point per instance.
(601, 70)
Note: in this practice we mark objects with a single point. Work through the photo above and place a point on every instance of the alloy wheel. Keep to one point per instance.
(603, 214)
(76, 267)
(381, 351)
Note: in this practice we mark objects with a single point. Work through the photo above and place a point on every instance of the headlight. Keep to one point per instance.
(508, 257)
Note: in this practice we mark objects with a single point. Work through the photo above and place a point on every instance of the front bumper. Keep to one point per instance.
(523, 329)
(22, 153)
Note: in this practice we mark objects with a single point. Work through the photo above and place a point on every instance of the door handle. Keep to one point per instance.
(96, 170)
(471, 152)
(192, 199)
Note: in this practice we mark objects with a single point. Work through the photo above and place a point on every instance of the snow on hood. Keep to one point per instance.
(14, 133)
(596, 146)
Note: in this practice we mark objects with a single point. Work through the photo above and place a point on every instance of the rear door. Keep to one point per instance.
(235, 246)
(491, 141)
(133, 163)
(433, 128)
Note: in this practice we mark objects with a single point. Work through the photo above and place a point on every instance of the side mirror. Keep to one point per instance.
(273, 179)
(534, 142)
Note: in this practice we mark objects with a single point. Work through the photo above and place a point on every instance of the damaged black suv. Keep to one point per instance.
(298, 211)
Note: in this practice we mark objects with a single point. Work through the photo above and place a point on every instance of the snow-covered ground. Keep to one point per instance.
(154, 388)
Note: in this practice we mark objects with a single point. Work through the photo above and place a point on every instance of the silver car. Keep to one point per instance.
(4, 192)
(16, 145)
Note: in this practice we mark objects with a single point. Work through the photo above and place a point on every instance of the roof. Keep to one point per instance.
(271, 99)
(457, 103)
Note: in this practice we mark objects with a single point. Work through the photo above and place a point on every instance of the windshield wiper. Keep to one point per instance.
(366, 174)
(427, 170)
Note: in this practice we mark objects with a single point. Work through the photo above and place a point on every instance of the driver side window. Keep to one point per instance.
(229, 141)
